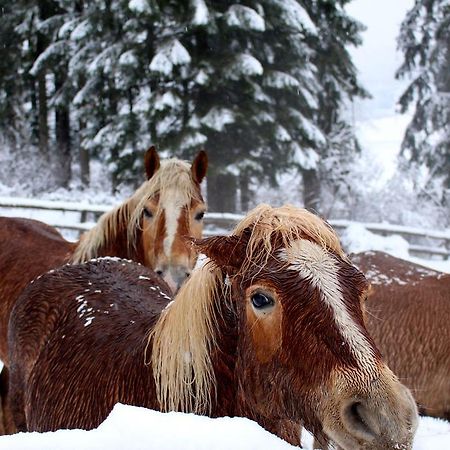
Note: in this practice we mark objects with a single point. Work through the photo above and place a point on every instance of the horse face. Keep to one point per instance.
(173, 257)
(305, 353)
(170, 218)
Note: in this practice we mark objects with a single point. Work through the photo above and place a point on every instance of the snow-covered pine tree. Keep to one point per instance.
(424, 40)
(11, 85)
(106, 38)
(339, 85)
(28, 30)
(247, 88)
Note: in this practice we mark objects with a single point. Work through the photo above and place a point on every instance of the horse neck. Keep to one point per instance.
(118, 245)
(113, 241)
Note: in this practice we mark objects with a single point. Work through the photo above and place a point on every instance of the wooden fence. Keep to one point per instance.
(422, 242)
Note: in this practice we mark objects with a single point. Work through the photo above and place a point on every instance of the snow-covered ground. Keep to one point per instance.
(133, 428)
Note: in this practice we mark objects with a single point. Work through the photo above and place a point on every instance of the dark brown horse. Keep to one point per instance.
(149, 227)
(408, 315)
(271, 328)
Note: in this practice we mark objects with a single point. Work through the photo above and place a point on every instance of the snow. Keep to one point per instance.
(131, 427)
(295, 16)
(217, 118)
(244, 65)
(379, 126)
(306, 158)
(201, 13)
(280, 80)
(139, 6)
(244, 17)
(167, 100)
(170, 54)
(356, 238)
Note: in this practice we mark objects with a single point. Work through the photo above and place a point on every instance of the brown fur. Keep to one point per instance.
(409, 319)
(202, 355)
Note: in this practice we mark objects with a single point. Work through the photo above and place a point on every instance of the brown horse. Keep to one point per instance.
(409, 319)
(271, 328)
(149, 227)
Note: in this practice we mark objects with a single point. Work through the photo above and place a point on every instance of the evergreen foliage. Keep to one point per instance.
(425, 42)
(262, 85)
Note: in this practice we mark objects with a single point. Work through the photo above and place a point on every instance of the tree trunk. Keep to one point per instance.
(46, 10)
(42, 116)
(246, 194)
(85, 173)
(63, 145)
(221, 191)
(311, 190)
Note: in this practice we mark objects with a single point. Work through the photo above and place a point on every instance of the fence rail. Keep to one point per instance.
(432, 242)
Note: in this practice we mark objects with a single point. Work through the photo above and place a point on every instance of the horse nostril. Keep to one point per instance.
(188, 274)
(359, 420)
(159, 272)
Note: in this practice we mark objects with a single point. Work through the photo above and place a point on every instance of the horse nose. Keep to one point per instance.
(371, 422)
(174, 276)
(179, 275)
(359, 421)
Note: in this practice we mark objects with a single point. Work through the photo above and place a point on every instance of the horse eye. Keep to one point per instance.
(148, 214)
(260, 301)
(199, 216)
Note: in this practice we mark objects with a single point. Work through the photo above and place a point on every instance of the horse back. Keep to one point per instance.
(28, 248)
(83, 323)
(408, 315)
(383, 268)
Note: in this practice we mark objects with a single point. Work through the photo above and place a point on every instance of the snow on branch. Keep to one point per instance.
(217, 118)
(280, 80)
(244, 65)
(169, 54)
(244, 17)
(55, 49)
(295, 16)
(139, 6)
(201, 13)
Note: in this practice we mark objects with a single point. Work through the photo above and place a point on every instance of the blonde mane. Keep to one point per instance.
(172, 178)
(185, 333)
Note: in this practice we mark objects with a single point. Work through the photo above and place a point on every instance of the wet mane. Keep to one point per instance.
(184, 335)
(173, 175)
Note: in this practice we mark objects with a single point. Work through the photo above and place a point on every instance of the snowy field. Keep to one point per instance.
(132, 428)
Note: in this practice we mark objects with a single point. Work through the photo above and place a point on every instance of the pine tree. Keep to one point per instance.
(424, 40)
(338, 87)
(247, 92)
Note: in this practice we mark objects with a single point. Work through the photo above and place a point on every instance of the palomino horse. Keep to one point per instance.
(270, 328)
(149, 227)
(409, 319)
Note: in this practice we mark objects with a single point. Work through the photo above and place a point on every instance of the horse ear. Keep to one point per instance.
(151, 162)
(199, 166)
(225, 251)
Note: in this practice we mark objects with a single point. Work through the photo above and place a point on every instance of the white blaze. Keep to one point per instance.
(172, 214)
(315, 264)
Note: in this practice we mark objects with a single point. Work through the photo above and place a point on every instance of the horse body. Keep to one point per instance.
(409, 319)
(91, 301)
(271, 328)
(41, 248)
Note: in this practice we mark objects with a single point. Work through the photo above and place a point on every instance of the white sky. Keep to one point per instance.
(379, 127)
(378, 59)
